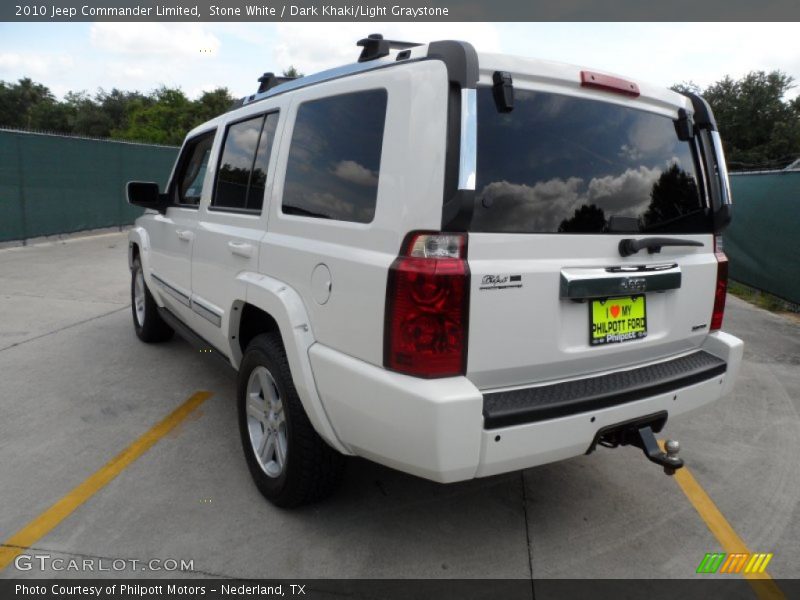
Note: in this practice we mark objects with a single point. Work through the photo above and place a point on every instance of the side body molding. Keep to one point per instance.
(287, 308)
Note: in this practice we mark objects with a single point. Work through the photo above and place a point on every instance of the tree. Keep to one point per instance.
(18, 101)
(212, 104)
(162, 116)
(118, 105)
(292, 72)
(587, 218)
(759, 127)
(674, 195)
(53, 116)
(89, 118)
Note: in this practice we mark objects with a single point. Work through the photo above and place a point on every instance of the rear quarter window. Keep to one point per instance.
(560, 164)
(335, 156)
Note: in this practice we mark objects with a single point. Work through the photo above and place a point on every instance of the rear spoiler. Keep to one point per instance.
(714, 162)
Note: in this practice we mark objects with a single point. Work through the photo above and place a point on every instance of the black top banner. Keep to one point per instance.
(399, 10)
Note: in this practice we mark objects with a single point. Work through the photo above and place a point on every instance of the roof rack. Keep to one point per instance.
(265, 83)
(376, 47)
(270, 80)
(459, 58)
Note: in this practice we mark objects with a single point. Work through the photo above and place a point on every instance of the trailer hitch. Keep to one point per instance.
(640, 433)
(644, 439)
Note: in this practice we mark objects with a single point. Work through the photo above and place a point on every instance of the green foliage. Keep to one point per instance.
(292, 72)
(759, 127)
(163, 116)
(20, 102)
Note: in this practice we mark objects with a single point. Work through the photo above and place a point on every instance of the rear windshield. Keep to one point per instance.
(559, 164)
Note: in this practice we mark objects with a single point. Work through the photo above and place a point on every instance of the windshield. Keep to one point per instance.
(560, 164)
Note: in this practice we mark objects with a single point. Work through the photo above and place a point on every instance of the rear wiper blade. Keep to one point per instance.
(628, 246)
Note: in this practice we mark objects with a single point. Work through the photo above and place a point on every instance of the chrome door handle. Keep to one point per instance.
(184, 235)
(241, 249)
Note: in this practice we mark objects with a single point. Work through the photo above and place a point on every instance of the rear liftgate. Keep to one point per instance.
(640, 433)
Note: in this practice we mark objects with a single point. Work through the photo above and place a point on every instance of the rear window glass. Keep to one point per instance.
(559, 164)
(335, 157)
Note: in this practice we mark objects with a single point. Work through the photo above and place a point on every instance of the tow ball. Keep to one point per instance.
(645, 440)
(640, 433)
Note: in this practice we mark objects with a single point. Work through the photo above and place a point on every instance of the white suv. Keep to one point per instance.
(451, 263)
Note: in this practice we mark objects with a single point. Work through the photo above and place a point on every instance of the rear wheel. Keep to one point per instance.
(147, 323)
(289, 462)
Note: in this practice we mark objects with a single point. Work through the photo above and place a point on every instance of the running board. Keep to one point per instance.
(190, 336)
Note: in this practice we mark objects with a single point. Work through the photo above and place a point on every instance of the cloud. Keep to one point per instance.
(700, 52)
(324, 203)
(314, 47)
(146, 55)
(353, 172)
(146, 40)
(542, 207)
(628, 191)
(35, 65)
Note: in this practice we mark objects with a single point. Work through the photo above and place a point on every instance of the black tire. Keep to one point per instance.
(152, 327)
(311, 469)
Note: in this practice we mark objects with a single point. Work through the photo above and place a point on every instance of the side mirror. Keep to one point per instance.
(146, 195)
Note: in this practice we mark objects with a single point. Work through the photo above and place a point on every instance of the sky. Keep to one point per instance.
(202, 56)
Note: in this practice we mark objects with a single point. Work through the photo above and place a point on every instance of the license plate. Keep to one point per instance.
(617, 320)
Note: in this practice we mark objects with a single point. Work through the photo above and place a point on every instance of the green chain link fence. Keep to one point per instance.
(51, 184)
(761, 240)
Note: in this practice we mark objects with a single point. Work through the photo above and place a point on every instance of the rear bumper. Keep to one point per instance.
(437, 429)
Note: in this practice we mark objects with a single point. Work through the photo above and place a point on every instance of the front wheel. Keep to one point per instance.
(147, 323)
(289, 462)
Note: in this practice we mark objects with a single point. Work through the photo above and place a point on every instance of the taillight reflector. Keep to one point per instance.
(721, 288)
(609, 83)
(427, 307)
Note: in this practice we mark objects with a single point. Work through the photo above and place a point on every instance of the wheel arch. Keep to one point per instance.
(139, 245)
(273, 306)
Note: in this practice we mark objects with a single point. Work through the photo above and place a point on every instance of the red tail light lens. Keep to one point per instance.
(427, 307)
(722, 285)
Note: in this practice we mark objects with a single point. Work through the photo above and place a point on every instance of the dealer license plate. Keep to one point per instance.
(617, 320)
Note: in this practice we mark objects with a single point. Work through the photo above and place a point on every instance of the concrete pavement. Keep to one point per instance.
(77, 387)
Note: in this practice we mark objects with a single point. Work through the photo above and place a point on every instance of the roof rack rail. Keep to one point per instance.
(376, 47)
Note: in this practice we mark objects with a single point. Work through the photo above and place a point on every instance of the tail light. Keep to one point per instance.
(609, 83)
(427, 306)
(722, 285)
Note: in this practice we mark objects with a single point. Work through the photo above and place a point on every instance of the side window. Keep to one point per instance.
(193, 167)
(335, 157)
(242, 172)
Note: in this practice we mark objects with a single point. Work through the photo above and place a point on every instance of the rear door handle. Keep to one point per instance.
(184, 235)
(241, 249)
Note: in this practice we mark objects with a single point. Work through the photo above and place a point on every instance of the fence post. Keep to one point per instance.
(120, 202)
(22, 216)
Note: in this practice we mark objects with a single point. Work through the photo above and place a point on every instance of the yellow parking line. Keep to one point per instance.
(49, 519)
(761, 582)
